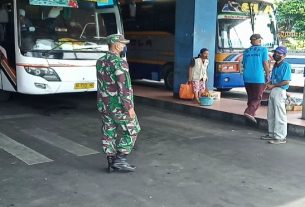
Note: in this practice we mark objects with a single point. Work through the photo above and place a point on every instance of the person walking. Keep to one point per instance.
(116, 105)
(198, 73)
(276, 115)
(255, 74)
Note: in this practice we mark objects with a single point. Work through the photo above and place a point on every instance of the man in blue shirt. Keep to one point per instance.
(255, 74)
(277, 118)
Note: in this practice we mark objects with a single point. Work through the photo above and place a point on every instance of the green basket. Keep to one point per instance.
(206, 101)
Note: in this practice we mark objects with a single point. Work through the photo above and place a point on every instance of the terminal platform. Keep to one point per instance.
(226, 109)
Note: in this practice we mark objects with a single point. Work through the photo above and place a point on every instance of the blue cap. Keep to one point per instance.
(281, 50)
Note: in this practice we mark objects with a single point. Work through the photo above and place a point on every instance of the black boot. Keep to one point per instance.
(110, 160)
(120, 163)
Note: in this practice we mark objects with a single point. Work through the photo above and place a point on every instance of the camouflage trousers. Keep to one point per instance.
(111, 124)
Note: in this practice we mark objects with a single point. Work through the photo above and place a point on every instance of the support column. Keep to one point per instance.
(195, 29)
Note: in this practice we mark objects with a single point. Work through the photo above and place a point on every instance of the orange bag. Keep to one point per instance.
(186, 91)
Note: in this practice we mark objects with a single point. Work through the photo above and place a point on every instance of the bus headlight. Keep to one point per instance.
(48, 74)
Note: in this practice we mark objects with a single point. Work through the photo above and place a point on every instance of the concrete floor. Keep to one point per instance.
(182, 161)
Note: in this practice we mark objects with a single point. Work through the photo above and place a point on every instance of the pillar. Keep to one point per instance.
(195, 29)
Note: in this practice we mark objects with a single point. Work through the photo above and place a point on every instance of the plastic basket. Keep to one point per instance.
(206, 101)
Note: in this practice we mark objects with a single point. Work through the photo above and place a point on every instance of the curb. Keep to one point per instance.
(262, 124)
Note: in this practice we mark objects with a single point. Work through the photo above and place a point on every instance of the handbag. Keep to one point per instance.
(186, 91)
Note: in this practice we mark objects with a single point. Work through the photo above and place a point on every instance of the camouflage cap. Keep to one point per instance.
(111, 39)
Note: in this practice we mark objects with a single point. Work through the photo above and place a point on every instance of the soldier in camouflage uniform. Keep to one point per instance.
(115, 102)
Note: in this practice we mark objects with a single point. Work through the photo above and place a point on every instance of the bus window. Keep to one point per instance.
(109, 24)
(7, 31)
(164, 20)
(89, 31)
(3, 22)
(230, 36)
(145, 17)
(132, 9)
(27, 30)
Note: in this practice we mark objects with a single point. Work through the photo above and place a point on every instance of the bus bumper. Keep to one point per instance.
(228, 80)
(78, 79)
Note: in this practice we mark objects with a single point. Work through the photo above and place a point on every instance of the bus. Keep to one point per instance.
(150, 25)
(49, 47)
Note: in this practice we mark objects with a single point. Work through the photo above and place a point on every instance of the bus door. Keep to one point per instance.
(7, 46)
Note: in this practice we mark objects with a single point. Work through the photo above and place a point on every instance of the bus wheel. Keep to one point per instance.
(169, 78)
(223, 89)
(4, 95)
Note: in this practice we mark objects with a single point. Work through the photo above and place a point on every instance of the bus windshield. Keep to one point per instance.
(63, 32)
(236, 25)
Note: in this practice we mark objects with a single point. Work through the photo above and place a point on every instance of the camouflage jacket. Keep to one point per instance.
(114, 90)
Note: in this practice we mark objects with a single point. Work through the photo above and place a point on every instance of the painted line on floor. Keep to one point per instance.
(16, 116)
(297, 203)
(21, 152)
(60, 142)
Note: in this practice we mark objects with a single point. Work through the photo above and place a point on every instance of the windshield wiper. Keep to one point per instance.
(89, 47)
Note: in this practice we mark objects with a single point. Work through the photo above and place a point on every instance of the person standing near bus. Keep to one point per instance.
(116, 105)
(255, 74)
(198, 73)
(276, 115)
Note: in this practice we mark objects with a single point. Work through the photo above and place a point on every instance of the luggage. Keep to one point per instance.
(186, 91)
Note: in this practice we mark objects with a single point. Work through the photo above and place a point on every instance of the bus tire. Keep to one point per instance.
(169, 78)
(5, 95)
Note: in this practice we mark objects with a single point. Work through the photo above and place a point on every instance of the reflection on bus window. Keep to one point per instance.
(64, 29)
(108, 25)
(3, 22)
(132, 9)
(26, 29)
(235, 33)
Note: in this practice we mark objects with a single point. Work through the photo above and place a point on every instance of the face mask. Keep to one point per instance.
(276, 57)
(123, 52)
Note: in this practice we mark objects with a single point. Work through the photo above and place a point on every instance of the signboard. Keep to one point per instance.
(103, 3)
(60, 3)
(232, 16)
(245, 6)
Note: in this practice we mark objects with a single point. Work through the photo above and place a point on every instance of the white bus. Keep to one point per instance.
(51, 46)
